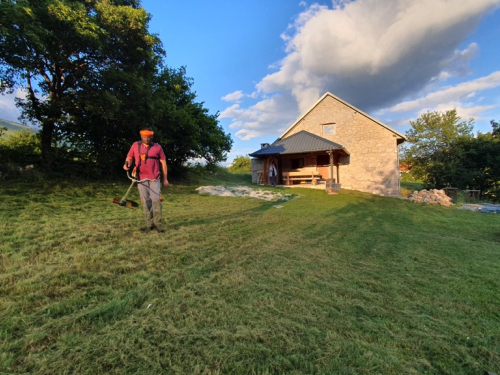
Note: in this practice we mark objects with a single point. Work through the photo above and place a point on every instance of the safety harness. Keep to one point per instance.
(146, 157)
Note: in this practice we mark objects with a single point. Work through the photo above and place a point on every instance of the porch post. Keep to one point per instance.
(330, 153)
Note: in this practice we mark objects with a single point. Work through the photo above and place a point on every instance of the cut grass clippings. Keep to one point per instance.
(344, 284)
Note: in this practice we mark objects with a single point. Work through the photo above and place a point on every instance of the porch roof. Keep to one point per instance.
(300, 142)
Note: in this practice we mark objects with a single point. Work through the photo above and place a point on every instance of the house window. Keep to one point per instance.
(297, 163)
(329, 129)
(322, 160)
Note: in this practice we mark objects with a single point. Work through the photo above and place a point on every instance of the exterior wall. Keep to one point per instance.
(372, 165)
(257, 166)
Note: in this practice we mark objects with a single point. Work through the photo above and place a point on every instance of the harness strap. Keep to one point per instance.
(145, 159)
(139, 156)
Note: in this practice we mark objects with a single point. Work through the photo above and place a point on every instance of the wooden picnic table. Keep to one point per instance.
(290, 177)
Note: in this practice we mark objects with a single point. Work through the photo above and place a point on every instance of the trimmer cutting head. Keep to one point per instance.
(125, 203)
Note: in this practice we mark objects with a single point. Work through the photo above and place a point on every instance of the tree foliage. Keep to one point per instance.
(79, 61)
(19, 151)
(443, 152)
(430, 139)
(241, 164)
(495, 128)
(94, 77)
(183, 126)
(480, 162)
(21, 146)
(433, 132)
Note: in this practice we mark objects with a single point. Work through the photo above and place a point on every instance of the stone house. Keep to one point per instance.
(334, 142)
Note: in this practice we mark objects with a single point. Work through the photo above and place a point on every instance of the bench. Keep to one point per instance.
(303, 177)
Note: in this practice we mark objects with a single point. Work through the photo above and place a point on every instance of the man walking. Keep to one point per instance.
(151, 165)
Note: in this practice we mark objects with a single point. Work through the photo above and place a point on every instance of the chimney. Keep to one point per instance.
(264, 145)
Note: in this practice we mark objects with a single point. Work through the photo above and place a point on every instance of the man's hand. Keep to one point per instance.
(165, 182)
(125, 166)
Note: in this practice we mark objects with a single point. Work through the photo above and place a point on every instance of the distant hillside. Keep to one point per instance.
(15, 126)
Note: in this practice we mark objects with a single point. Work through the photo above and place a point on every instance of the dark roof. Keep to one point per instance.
(302, 141)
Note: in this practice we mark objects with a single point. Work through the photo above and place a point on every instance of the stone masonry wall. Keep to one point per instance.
(257, 164)
(372, 165)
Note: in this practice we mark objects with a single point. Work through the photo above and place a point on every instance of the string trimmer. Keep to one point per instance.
(124, 202)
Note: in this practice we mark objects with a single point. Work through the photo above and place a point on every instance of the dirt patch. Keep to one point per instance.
(243, 191)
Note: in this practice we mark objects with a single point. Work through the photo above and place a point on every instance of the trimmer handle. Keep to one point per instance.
(134, 176)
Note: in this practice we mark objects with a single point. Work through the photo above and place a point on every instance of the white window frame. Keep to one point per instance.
(331, 125)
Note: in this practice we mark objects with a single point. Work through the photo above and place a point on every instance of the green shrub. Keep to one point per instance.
(20, 153)
(241, 164)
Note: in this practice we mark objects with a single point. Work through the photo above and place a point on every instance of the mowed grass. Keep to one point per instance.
(344, 284)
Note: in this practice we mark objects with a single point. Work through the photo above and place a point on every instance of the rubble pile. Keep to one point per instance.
(432, 196)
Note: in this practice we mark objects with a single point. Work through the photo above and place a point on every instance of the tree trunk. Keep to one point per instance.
(46, 143)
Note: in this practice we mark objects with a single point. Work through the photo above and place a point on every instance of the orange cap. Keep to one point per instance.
(146, 133)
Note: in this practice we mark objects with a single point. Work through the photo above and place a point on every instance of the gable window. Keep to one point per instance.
(329, 129)
(297, 163)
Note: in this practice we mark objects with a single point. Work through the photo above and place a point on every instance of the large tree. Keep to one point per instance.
(495, 128)
(434, 131)
(430, 139)
(82, 62)
(185, 128)
(480, 163)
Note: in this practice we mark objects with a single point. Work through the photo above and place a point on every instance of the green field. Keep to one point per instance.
(14, 126)
(344, 284)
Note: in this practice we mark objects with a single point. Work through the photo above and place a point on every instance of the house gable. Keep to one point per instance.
(330, 117)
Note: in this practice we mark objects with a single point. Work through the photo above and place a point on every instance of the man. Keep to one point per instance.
(272, 174)
(150, 163)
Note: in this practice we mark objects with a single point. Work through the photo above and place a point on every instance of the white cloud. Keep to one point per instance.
(8, 109)
(233, 97)
(456, 93)
(247, 134)
(356, 51)
(371, 53)
(464, 112)
(476, 112)
(269, 116)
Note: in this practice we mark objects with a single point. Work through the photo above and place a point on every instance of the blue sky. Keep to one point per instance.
(262, 63)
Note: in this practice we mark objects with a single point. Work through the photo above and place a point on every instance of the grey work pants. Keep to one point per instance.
(151, 203)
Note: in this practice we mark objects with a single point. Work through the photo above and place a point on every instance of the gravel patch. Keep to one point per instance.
(481, 207)
(243, 191)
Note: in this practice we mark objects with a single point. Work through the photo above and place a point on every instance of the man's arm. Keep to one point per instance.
(128, 163)
(164, 171)
(129, 159)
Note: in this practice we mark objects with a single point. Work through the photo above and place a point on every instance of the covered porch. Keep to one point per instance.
(302, 160)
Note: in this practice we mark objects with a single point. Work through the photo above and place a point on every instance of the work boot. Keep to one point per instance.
(157, 217)
(147, 228)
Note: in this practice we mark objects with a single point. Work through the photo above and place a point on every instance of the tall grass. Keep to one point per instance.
(344, 284)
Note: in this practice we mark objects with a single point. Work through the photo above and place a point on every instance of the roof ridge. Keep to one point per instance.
(328, 93)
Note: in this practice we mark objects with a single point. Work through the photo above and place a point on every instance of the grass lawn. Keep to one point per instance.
(407, 188)
(344, 284)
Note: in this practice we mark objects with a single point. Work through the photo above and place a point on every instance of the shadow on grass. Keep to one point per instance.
(261, 207)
